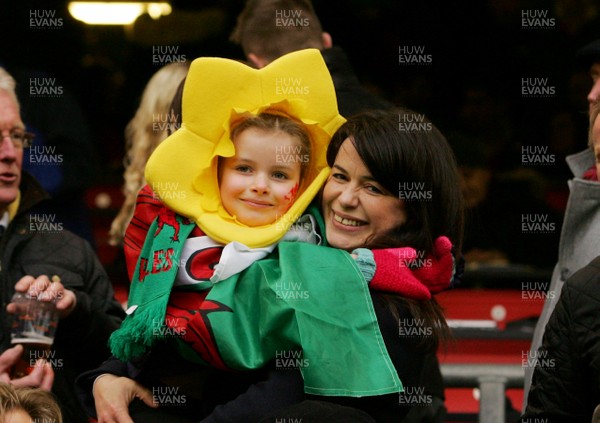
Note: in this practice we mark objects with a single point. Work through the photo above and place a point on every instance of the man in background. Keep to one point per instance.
(31, 252)
(580, 237)
(268, 29)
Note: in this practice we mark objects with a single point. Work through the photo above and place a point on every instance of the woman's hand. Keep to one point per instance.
(436, 274)
(402, 271)
(47, 290)
(41, 377)
(112, 396)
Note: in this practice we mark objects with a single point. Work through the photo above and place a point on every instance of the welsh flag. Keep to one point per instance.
(303, 306)
(298, 307)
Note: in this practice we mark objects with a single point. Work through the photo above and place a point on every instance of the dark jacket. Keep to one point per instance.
(352, 97)
(566, 380)
(579, 238)
(28, 247)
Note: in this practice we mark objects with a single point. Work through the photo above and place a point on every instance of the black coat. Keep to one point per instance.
(33, 245)
(566, 379)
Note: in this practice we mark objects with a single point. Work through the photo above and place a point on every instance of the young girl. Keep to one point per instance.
(260, 182)
(226, 187)
(257, 186)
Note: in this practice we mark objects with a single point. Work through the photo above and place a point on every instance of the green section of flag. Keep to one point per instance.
(308, 307)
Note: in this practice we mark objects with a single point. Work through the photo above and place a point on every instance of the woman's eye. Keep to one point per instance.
(373, 189)
(339, 176)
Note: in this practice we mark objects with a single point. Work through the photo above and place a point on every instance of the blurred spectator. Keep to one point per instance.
(32, 249)
(264, 38)
(565, 383)
(25, 405)
(62, 155)
(153, 121)
(499, 203)
(580, 236)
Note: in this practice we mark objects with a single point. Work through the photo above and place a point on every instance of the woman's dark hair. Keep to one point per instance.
(409, 157)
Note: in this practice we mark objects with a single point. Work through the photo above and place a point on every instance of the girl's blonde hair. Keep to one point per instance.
(152, 123)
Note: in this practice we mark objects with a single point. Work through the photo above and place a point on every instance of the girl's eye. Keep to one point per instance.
(280, 175)
(243, 169)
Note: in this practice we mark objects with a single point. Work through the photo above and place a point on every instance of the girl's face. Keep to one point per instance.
(260, 182)
(356, 208)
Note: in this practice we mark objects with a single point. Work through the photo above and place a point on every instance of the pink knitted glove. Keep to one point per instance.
(437, 275)
(399, 270)
(393, 274)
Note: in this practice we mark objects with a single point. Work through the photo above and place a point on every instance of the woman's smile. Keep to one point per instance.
(347, 221)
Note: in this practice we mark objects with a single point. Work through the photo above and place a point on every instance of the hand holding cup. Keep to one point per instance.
(41, 377)
(35, 310)
(47, 290)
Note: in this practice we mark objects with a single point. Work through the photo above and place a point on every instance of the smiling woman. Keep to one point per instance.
(393, 195)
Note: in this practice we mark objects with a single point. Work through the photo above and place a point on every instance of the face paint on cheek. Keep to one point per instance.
(291, 196)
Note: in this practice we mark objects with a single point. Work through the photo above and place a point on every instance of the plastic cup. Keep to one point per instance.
(33, 327)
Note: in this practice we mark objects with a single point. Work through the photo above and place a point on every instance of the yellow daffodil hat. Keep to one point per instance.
(219, 92)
